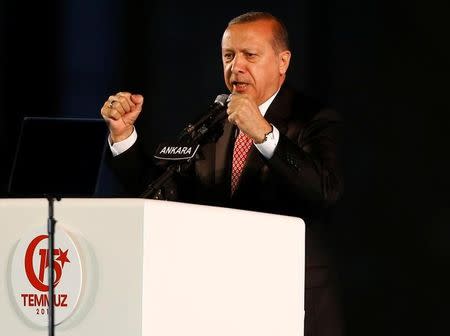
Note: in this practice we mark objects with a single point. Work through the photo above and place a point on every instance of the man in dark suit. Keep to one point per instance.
(279, 152)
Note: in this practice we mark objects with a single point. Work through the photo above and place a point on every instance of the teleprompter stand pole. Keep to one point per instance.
(51, 267)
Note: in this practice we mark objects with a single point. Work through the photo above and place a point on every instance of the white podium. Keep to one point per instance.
(146, 267)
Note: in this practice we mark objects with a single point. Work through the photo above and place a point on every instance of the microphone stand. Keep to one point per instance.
(154, 190)
(51, 247)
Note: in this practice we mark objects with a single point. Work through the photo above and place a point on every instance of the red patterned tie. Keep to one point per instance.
(241, 149)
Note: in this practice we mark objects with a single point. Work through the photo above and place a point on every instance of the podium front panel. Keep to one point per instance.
(157, 268)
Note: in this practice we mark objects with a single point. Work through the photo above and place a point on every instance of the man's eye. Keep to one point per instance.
(228, 56)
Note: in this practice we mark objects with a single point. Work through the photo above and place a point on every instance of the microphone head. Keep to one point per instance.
(221, 99)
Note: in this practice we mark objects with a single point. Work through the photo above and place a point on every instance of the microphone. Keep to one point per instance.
(217, 112)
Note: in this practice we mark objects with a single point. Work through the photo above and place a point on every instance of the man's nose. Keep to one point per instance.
(238, 64)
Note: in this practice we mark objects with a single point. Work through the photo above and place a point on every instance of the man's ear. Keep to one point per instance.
(285, 58)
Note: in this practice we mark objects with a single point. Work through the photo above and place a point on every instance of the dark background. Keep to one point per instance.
(383, 66)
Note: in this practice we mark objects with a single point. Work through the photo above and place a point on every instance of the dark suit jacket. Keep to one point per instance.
(303, 178)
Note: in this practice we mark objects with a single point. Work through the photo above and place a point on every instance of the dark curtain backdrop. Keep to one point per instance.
(383, 66)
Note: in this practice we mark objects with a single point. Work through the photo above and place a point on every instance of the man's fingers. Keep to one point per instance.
(125, 99)
(126, 102)
(114, 114)
(121, 104)
(110, 112)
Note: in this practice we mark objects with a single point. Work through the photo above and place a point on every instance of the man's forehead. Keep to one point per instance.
(247, 33)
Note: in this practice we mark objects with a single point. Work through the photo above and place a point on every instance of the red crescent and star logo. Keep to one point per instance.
(38, 280)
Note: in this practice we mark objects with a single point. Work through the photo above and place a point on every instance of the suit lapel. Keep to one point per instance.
(278, 112)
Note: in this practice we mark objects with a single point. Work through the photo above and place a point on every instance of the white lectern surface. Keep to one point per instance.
(150, 267)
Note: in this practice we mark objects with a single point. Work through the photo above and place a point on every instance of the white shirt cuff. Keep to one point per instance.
(267, 148)
(121, 146)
